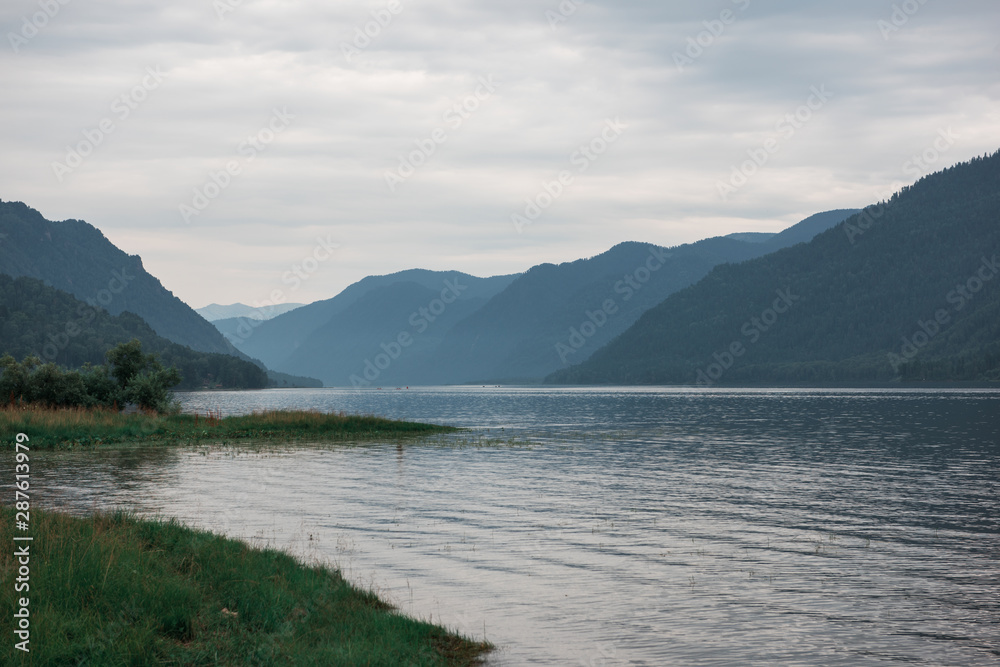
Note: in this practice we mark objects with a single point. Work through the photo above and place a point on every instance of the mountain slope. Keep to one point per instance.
(906, 289)
(74, 256)
(380, 337)
(214, 312)
(277, 341)
(41, 321)
(553, 316)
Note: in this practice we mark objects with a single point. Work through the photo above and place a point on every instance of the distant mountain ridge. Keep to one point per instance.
(325, 338)
(412, 327)
(505, 328)
(214, 312)
(908, 289)
(74, 256)
(555, 315)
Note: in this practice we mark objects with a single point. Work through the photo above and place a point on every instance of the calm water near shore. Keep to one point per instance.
(623, 526)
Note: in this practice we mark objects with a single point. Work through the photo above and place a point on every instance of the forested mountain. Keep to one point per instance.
(907, 289)
(554, 315)
(277, 341)
(41, 321)
(494, 329)
(382, 336)
(73, 256)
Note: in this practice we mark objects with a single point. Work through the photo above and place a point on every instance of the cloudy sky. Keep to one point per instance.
(230, 142)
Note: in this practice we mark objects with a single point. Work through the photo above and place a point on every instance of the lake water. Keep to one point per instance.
(636, 526)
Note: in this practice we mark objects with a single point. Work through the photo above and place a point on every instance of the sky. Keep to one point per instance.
(251, 150)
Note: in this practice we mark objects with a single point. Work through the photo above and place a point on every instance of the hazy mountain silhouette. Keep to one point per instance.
(215, 312)
(497, 329)
(555, 315)
(277, 341)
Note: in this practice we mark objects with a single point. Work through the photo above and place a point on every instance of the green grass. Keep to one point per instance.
(114, 590)
(72, 427)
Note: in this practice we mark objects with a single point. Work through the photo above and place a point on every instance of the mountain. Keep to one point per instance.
(39, 320)
(390, 299)
(74, 256)
(555, 315)
(285, 381)
(235, 328)
(506, 328)
(214, 312)
(751, 237)
(908, 289)
(381, 337)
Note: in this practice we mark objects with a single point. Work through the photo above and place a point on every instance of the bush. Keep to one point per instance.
(129, 377)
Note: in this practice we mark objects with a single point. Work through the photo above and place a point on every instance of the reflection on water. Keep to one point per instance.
(641, 527)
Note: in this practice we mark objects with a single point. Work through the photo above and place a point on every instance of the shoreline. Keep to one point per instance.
(63, 428)
(114, 588)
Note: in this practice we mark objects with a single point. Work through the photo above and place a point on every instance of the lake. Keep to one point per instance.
(623, 526)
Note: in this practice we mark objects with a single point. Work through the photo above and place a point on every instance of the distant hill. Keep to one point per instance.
(215, 312)
(74, 256)
(506, 328)
(750, 237)
(556, 315)
(234, 328)
(41, 321)
(908, 289)
(278, 341)
(383, 335)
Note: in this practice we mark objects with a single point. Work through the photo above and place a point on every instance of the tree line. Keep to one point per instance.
(128, 377)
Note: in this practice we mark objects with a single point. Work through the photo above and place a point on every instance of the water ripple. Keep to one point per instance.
(642, 527)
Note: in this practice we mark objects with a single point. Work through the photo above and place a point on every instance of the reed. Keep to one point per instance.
(82, 427)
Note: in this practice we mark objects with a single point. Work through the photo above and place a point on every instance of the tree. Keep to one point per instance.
(141, 378)
(126, 361)
(14, 377)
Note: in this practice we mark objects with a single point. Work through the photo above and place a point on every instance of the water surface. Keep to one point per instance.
(628, 526)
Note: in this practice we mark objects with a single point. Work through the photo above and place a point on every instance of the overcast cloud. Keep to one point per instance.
(506, 93)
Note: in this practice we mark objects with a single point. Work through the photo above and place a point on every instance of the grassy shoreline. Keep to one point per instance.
(72, 427)
(111, 589)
